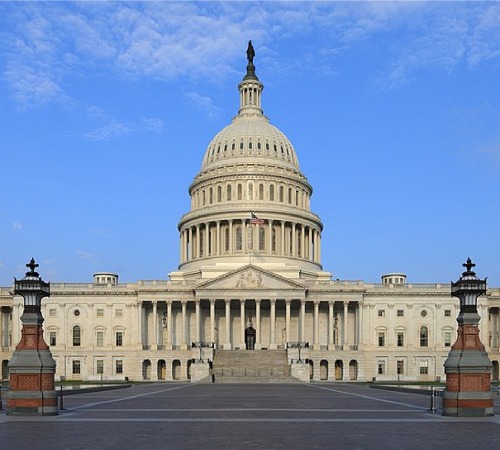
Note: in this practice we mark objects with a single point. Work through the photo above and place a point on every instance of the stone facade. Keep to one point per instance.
(250, 258)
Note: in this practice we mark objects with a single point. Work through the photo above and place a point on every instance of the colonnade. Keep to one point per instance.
(228, 237)
(341, 322)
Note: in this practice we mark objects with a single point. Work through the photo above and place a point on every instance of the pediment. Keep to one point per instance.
(250, 277)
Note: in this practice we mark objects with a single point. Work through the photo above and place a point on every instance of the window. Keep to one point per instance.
(226, 239)
(119, 312)
(261, 192)
(400, 367)
(381, 339)
(424, 367)
(52, 312)
(219, 193)
(381, 367)
(400, 313)
(239, 239)
(100, 338)
(424, 337)
(228, 193)
(273, 242)
(262, 239)
(271, 193)
(381, 312)
(447, 338)
(76, 367)
(100, 366)
(100, 312)
(401, 339)
(52, 338)
(447, 313)
(240, 192)
(77, 336)
(119, 338)
(119, 366)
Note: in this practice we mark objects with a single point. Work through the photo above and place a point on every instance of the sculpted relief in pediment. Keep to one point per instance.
(249, 279)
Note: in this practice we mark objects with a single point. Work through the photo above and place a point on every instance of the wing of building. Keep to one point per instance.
(250, 299)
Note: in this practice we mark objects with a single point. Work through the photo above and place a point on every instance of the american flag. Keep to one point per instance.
(254, 220)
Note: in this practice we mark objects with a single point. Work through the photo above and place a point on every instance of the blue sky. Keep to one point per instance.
(107, 109)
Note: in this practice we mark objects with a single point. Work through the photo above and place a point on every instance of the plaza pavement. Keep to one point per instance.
(243, 416)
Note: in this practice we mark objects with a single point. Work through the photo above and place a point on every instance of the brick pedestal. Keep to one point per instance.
(468, 373)
(32, 370)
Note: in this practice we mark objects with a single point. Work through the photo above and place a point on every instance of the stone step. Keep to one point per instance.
(252, 366)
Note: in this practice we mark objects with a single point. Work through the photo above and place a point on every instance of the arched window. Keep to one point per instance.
(290, 198)
(219, 193)
(77, 336)
(239, 239)
(240, 192)
(250, 191)
(262, 239)
(203, 198)
(271, 193)
(211, 196)
(424, 336)
(261, 191)
(228, 194)
(281, 194)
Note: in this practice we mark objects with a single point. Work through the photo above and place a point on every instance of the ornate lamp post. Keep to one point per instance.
(32, 367)
(468, 368)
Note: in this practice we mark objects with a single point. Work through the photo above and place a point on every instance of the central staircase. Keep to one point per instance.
(251, 366)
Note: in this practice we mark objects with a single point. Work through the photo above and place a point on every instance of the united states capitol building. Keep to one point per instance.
(250, 299)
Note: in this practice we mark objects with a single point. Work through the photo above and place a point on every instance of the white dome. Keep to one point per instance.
(250, 137)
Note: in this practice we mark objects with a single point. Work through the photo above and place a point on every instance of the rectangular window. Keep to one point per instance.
(400, 313)
(447, 312)
(119, 313)
(424, 367)
(447, 338)
(381, 312)
(119, 338)
(76, 367)
(401, 339)
(400, 367)
(100, 366)
(100, 312)
(52, 338)
(119, 366)
(381, 339)
(100, 338)
(52, 312)
(381, 367)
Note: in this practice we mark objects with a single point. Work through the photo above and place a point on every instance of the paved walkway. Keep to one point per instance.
(216, 416)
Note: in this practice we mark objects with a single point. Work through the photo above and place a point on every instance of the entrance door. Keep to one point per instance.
(250, 338)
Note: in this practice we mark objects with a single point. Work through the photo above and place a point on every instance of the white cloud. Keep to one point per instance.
(153, 124)
(45, 45)
(203, 103)
(112, 129)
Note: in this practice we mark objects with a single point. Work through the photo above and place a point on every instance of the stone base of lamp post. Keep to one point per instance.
(32, 370)
(468, 373)
(300, 370)
(199, 371)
